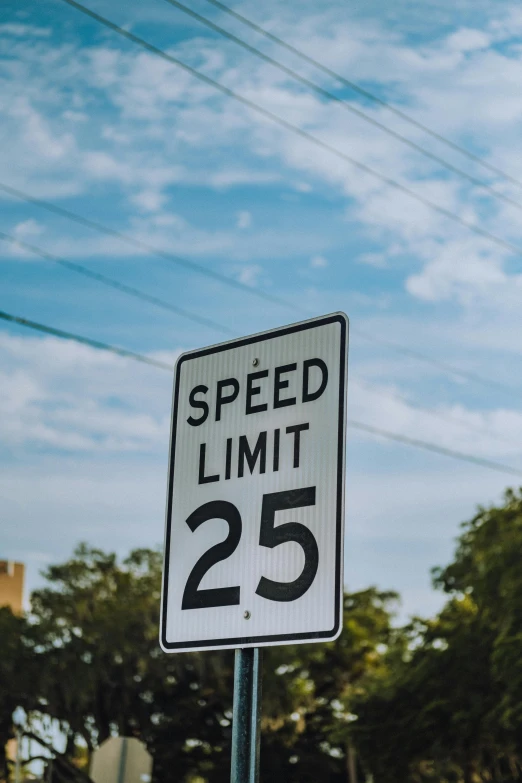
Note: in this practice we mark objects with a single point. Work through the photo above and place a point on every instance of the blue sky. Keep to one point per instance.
(96, 125)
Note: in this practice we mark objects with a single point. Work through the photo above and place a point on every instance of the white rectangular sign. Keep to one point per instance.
(255, 504)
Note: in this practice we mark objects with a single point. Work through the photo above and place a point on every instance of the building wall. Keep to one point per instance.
(12, 594)
(12, 585)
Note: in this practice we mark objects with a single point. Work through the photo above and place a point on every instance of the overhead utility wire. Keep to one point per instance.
(109, 281)
(365, 93)
(91, 224)
(84, 340)
(347, 106)
(304, 134)
(417, 355)
(141, 245)
(352, 423)
(258, 292)
(138, 294)
(424, 444)
(444, 366)
(443, 415)
(275, 118)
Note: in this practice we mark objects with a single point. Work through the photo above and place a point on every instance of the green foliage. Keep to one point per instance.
(436, 702)
(450, 709)
(104, 673)
(306, 739)
(100, 671)
(487, 568)
(17, 675)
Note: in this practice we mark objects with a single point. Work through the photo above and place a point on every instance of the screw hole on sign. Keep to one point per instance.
(255, 362)
(246, 615)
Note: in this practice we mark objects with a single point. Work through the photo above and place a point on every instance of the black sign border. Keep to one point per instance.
(242, 641)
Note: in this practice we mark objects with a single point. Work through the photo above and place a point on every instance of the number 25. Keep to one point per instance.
(269, 536)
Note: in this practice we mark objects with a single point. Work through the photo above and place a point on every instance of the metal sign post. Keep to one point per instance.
(246, 716)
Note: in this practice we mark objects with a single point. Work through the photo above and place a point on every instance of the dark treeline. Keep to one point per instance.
(437, 700)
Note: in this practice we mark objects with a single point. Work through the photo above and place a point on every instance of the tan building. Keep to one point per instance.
(12, 585)
(12, 594)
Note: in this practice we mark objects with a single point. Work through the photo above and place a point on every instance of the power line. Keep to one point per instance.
(137, 293)
(289, 126)
(365, 93)
(374, 389)
(132, 241)
(345, 105)
(111, 282)
(83, 340)
(424, 444)
(352, 423)
(275, 118)
(141, 245)
(417, 355)
(444, 366)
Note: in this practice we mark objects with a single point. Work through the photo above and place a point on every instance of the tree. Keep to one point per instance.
(309, 738)
(102, 671)
(438, 701)
(449, 709)
(18, 676)
(487, 571)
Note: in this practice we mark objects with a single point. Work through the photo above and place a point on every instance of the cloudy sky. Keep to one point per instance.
(94, 124)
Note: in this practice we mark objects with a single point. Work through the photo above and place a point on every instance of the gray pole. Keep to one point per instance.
(246, 717)
(18, 756)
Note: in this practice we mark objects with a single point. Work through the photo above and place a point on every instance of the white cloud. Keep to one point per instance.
(149, 200)
(469, 271)
(249, 274)
(75, 116)
(232, 177)
(71, 397)
(244, 219)
(468, 40)
(159, 113)
(171, 109)
(486, 433)
(170, 232)
(377, 260)
(24, 30)
(318, 262)
(25, 231)
(101, 165)
(28, 229)
(38, 134)
(112, 134)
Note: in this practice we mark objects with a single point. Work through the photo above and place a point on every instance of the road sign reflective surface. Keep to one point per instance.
(254, 529)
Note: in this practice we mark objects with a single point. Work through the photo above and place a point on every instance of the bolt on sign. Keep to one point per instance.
(255, 504)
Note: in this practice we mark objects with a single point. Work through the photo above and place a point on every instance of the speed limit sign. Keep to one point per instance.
(255, 517)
